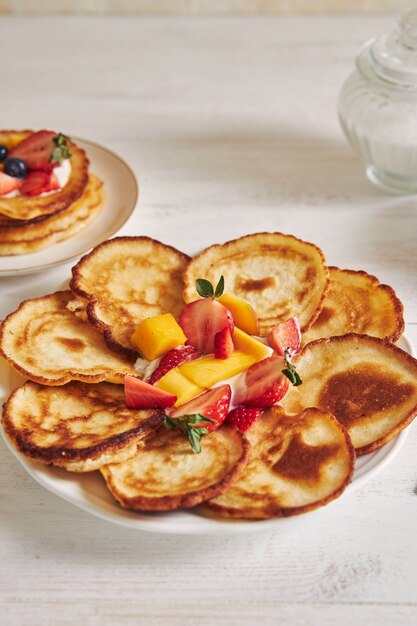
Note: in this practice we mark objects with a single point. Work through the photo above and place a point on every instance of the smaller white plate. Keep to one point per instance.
(89, 492)
(121, 189)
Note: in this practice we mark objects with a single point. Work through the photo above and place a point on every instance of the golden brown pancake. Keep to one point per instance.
(357, 302)
(31, 235)
(369, 384)
(125, 280)
(77, 426)
(28, 207)
(46, 343)
(279, 275)
(297, 463)
(165, 474)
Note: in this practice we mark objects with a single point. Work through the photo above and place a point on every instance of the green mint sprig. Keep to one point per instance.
(290, 371)
(187, 425)
(61, 151)
(206, 290)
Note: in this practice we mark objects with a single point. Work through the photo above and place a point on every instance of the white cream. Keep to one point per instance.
(62, 174)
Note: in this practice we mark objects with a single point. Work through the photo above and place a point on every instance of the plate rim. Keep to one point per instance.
(214, 526)
(108, 234)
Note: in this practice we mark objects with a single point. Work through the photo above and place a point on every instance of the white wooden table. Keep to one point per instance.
(231, 127)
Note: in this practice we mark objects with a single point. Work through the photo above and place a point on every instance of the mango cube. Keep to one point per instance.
(175, 382)
(208, 371)
(242, 312)
(157, 335)
(249, 345)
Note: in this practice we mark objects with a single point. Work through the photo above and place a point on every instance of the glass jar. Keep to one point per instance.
(378, 107)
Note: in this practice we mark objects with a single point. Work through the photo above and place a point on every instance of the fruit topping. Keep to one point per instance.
(156, 335)
(286, 336)
(42, 150)
(176, 383)
(15, 167)
(191, 427)
(201, 320)
(208, 371)
(290, 372)
(141, 395)
(244, 416)
(38, 182)
(8, 183)
(243, 314)
(3, 153)
(245, 343)
(172, 359)
(223, 344)
(213, 404)
(263, 384)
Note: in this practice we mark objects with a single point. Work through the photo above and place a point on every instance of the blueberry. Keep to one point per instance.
(3, 153)
(15, 167)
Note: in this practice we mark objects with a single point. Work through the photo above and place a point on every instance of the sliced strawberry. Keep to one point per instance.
(213, 404)
(8, 183)
(223, 344)
(286, 336)
(171, 359)
(141, 395)
(38, 182)
(36, 150)
(263, 384)
(243, 417)
(201, 320)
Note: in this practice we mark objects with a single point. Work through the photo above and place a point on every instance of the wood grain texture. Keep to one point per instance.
(231, 127)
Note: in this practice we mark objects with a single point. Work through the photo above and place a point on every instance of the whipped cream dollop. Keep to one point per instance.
(62, 173)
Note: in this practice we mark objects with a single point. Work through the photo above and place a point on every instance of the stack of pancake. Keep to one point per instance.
(74, 348)
(30, 223)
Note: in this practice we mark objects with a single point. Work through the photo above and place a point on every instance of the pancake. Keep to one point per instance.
(279, 275)
(79, 427)
(46, 343)
(357, 302)
(369, 384)
(297, 463)
(165, 474)
(28, 207)
(32, 235)
(125, 280)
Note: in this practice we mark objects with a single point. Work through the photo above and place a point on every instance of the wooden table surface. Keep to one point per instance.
(231, 127)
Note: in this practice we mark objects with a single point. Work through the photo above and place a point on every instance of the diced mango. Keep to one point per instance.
(175, 382)
(243, 314)
(157, 335)
(14, 139)
(208, 371)
(249, 345)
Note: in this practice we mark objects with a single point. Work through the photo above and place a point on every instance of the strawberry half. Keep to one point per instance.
(141, 395)
(286, 336)
(263, 384)
(201, 320)
(223, 344)
(36, 150)
(39, 182)
(8, 183)
(171, 359)
(244, 416)
(213, 404)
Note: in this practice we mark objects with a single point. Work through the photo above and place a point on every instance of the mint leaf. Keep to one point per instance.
(61, 151)
(290, 371)
(185, 424)
(219, 288)
(204, 288)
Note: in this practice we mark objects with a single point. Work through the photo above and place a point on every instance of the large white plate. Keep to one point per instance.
(121, 197)
(88, 491)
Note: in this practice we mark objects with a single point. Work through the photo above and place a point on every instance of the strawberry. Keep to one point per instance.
(141, 395)
(38, 182)
(171, 359)
(213, 404)
(286, 336)
(223, 344)
(201, 320)
(8, 183)
(36, 150)
(243, 417)
(263, 384)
